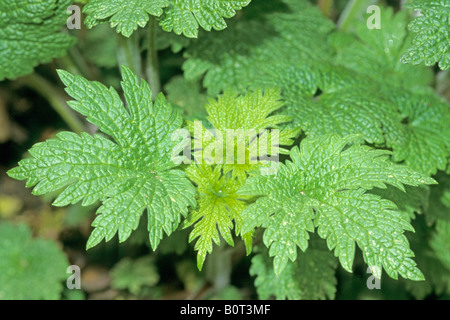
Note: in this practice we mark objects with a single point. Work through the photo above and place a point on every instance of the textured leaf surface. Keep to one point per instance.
(279, 37)
(431, 44)
(130, 174)
(135, 275)
(180, 16)
(30, 269)
(325, 186)
(439, 202)
(185, 16)
(125, 15)
(338, 100)
(377, 52)
(219, 209)
(246, 119)
(30, 35)
(422, 139)
(321, 105)
(310, 277)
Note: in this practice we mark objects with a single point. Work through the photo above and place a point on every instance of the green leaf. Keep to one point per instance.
(422, 139)
(321, 105)
(325, 186)
(409, 202)
(439, 201)
(310, 277)
(130, 174)
(99, 46)
(437, 275)
(377, 52)
(440, 242)
(30, 269)
(218, 207)
(185, 16)
(30, 35)
(432, 34)
(187, 96)
(338, 100)
(124, 15)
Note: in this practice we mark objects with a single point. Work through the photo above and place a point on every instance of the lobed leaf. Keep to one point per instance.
(130, 174)
(30, 34)
(325, 186)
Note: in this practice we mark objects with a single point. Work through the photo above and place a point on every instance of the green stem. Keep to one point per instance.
(353, 10)
(443, 83)
(128, 53)
(152, 67)
(55, 99)
(79, 61)
(218, 267)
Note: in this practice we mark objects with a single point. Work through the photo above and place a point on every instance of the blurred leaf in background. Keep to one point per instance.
(135, 276)
(29, 268)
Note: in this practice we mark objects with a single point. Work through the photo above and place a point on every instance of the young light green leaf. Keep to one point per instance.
(131, 174)
(124, 15)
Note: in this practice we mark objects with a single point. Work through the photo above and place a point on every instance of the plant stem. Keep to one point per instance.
(218, 267)
(55, 99)
(152, 67)
(326, 7)
(352, 11)
(128, 53)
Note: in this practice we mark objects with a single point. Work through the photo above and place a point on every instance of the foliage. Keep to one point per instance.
(29, 268)
(129, 175)
(135, 275)
(359, 175)
(325, 187)
(29, 35)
